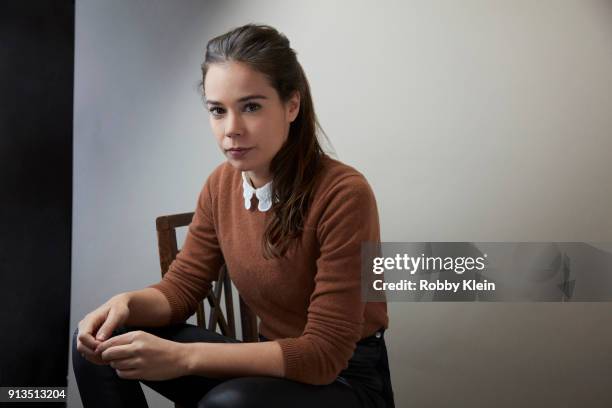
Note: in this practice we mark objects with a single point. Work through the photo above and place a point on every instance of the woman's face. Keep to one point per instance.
(247, 114)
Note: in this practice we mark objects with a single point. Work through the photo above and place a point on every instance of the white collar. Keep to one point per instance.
(263, 194)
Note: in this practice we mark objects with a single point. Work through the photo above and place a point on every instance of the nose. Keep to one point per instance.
(234, 125)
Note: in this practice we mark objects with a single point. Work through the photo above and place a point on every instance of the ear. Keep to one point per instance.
(293, 106)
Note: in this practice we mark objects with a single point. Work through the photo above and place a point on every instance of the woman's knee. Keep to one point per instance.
(78, 361)
(75, 337)
(235, 393)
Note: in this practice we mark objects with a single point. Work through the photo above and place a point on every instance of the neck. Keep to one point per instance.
(258, 179)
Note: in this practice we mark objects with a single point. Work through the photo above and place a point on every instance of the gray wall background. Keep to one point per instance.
(472, 120)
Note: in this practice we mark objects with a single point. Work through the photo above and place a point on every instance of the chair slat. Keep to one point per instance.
(168, 249)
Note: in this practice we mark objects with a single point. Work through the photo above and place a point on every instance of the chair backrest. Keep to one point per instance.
(168, 249)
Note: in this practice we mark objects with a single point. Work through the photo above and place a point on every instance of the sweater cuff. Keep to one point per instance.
(291, 355)
(178, 313)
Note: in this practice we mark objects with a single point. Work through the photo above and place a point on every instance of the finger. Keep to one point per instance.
(87, 340)
(124, 338)
(85, 343)
(128, 374)
(81, 348)
(91, 323)
(117, 352)
(92, 357)
(125, 364)
(110, 324)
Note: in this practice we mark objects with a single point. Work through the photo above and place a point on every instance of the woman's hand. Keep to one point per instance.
(99, 324)
(144, 356)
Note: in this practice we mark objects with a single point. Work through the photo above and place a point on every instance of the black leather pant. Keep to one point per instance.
(364, 384)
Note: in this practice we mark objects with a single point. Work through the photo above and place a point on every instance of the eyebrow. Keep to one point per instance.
(243, 99)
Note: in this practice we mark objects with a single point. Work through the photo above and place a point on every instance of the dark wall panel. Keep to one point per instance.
(36, 97)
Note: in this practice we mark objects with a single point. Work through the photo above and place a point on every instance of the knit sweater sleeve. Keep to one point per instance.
(189, 277)
(336, 312)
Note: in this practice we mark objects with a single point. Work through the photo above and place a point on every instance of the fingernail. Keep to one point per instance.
(101, 336)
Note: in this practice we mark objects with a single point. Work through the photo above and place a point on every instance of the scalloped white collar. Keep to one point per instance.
(263, 194)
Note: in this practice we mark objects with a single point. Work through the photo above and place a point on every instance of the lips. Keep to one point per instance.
(238, 152)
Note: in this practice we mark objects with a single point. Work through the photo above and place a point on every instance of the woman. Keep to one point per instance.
(288, 221)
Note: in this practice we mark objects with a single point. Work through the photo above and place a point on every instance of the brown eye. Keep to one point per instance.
(252, 107)
(216, 111)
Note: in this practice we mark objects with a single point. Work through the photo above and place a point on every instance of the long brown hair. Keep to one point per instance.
(296, 165)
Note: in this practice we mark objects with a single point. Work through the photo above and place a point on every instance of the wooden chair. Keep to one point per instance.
(168, 249)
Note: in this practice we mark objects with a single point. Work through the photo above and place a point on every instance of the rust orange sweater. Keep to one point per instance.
(309, 301)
